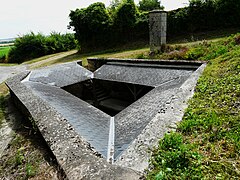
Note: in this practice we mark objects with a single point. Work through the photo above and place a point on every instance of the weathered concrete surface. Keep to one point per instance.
(131, 121)
(73, 153)
(5, 136)
(170, 112)
(9, 125)
(10, 71)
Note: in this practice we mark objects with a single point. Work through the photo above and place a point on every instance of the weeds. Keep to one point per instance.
(2, 108)
(19, 158)
(204, 50)
(30, 170)
(27, 156)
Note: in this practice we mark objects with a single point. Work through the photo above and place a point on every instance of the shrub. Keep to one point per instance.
(35, 45)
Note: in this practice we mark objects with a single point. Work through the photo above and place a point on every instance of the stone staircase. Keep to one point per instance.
(100, 93)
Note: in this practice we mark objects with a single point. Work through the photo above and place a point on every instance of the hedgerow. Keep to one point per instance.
(32, 45)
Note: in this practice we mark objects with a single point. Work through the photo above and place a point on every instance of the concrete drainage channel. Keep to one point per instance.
(101, 124)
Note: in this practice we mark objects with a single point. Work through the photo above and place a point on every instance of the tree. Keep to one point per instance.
(126, 14)
(148, 5)
(90, 25)
(114, 4)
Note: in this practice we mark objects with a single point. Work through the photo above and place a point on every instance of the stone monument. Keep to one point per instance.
(157, 30)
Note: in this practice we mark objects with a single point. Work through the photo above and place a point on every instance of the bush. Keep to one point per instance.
(33, 45)
(92, 26)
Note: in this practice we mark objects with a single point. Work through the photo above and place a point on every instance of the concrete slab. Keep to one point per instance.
(170, 112)
(131, 121)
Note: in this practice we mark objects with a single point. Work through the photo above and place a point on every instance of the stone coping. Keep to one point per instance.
(94, 62)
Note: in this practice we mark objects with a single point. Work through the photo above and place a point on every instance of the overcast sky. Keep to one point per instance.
(18, 17)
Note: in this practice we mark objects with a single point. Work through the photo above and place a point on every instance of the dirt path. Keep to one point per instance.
(59, 56)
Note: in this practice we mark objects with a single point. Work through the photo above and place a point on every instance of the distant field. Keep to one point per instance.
(4, 50)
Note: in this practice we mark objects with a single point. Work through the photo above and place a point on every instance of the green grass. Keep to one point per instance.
(207, 142)
(4, 51)
(7, 64)
(83, 57)
(41, 58)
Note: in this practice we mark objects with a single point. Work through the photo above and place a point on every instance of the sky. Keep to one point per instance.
(18, 17)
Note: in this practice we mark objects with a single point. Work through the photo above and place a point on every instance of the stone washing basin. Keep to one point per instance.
(88, 142)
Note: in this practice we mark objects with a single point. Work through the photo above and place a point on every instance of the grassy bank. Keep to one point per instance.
(28, 157)
(206, 144)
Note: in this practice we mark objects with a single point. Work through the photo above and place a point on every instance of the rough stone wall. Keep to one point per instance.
(157, 30)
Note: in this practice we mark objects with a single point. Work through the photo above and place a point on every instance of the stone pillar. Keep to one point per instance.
(157, 30)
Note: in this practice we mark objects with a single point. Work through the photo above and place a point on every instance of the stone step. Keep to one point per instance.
(103, 98)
